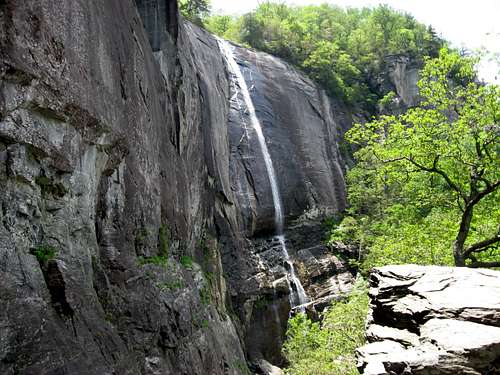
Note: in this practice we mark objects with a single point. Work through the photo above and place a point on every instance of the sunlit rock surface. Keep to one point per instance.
(433, 320)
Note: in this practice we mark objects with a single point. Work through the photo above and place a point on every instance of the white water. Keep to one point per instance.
(298, 295)
(301, 296)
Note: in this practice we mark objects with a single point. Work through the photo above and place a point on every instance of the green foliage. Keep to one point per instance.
(208, 246)
(172, 286)
(386, 101)
(328, 347)
(195, 10)
(426, 185)
(206, 295)
(209, 288)
(163, 245)
(44, 253)
(227, 27)
(209, 277)
(164, 239)
(337, 47)
(159, 260)
(187, 261)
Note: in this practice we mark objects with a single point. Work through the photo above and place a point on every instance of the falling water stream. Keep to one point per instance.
(298, 295)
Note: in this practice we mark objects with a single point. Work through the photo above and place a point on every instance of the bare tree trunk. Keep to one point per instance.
(458, 251)
(463, 232)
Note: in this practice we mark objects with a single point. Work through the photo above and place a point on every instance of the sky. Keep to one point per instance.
(465, 23)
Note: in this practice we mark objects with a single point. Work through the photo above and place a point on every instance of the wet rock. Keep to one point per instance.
(432, 320)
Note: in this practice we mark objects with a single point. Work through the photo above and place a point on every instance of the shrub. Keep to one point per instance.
(328, 347)
(187, 261)
(157, 259)
(44, 253)
(206, 295)
(172, 286)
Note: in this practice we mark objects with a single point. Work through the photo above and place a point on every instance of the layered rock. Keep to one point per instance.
(400, 76)
(432, 320)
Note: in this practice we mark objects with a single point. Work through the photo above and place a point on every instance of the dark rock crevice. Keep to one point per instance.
(57, 288)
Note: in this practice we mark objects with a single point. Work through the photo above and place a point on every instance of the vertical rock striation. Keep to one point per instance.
(103, 174)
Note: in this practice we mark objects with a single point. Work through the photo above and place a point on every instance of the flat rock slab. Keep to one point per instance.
(432, 320)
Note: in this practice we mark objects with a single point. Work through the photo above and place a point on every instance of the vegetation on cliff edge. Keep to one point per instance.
(344, 50)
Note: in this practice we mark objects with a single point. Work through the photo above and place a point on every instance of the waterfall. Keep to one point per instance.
(298, 295)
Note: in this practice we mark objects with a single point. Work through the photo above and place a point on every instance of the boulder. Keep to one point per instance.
(432, 320)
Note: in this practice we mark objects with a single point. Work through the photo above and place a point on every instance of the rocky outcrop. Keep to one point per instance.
(403, 74)
(400, 76)
(432, 320)
(266, 307)
(133, 200)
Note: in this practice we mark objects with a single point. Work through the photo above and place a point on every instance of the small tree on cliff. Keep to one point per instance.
(443, 155)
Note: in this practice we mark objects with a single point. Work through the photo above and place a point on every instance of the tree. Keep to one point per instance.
(219, 24)
(443, 155)
(339, 48)
(195, 10)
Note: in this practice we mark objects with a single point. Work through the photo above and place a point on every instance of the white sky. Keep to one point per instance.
(466, 23)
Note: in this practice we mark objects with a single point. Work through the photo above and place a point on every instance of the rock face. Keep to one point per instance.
(433, 320)
(302, 126)
(399, 76)
(133, 212)
(106, 184)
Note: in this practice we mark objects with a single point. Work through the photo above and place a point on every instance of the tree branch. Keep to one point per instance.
(480, 195)
(482, 245)
(434, 169)
(478, 147)
(484, 264)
